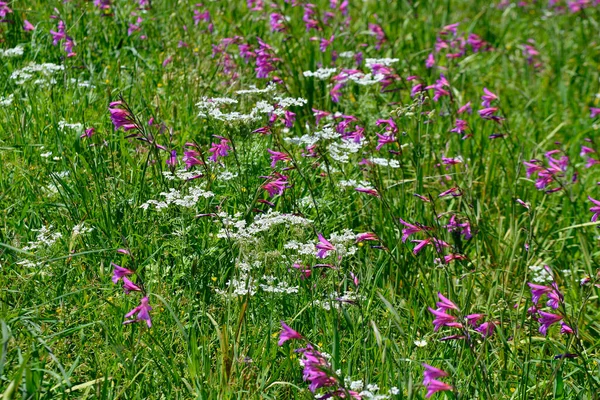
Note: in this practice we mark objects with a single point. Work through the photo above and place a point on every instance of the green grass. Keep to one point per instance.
(61, 317)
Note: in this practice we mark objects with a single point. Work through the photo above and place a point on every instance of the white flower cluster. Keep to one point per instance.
(76, 126)
(344, 242)
(540, 274)
(341, 151)
(347, 54)
(386, 62)
(14, 52)
(354, 183)
(227, 176)
(366, 79)
(44, 238)
(254, 90)
(236, 229)
(302, 248)
(81, 229)
(211, 108)
(384, 162)
(338, 302)
(83, 84)
(181, 174)
(175, 197)
(273, 286)
(239, 287)
(6, 101)
(321, 73)
(27, 73)
(326, 133)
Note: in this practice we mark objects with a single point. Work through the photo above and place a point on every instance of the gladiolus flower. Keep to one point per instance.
(323, 247)
(142, 311)
(119, 272)
(287, 333)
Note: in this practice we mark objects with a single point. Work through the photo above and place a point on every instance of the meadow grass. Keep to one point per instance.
(221, 240)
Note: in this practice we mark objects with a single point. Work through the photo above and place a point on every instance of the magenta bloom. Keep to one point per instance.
(220, 149)
(323, 247)
(289, 118)
(383, 140)
(412, 229)
(361, 237)
(546, 320)
(28, 26)
(465, 109)
(325, 43)
(595, 208)
(460, 127)
(473, 319)
(129, 286)
(277, 156)
(537, 291)
(445, 303)
(276, 185)
(369, 191)
(430, 61)
(287, 333)
(60, 35)
(566, 329)
(594, 112)
(121, 117)
(487, 98)
(319, 115)
(142, 311)
(435, 386)
(442, 319)
(119, 272)
(486, 329)
(172, 160)
(430, 373)
(317, 369)
(4, 9)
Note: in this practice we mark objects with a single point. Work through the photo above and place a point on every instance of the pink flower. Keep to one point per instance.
(435, 386)
(412, 229)
(220, 149)
(129, 286)
(487, 98)
(119, 272)
(432, 373)
(445, 303)
(465, 109)
(595, 208)
(28, 26)
(430, 62)
(276, 185)
(286, 334)
(277, 156)
(594, 112)
(546, 320)
(486, 329)
(323, 247)
(442, 319)
(142, 311)
(361, 237)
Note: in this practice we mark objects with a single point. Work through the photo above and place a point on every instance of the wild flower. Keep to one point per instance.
(323, 247)
(141, 312)
(220, 149)
(121, 116)
(276, 184)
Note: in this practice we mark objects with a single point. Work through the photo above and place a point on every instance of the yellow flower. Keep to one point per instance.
(214, 278)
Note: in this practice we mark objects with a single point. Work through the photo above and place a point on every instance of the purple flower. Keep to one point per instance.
(487, 98)
(287, 333)
(119, 272)
(537, 291)
(361, 237)
(431, 373)
(594, 112)
(472, 319)
(445, 303)
(486, 329)
(430, 61)
(465, 109)
(317, 369)
(277, 22)
(57, 36)
(323, 247)
(276, 184)
(142, 311)
(220, 149)
(546, 320)
(442, 319)
(566, 329)
(435, 386)
(4, 9)
(460, 127)
(595, 208)
(129, 286)
(121, 117)
(277, 156)
(28, 26)
(289, 118)
(172, 160)
(369, 191)
(412, 229)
